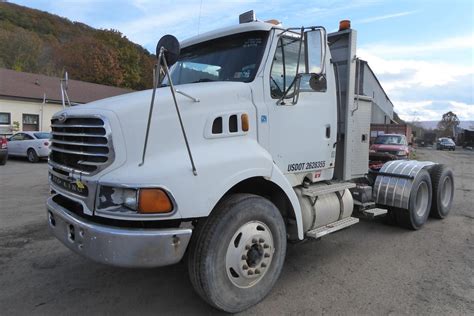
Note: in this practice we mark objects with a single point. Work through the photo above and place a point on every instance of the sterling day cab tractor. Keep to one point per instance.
(253, 136)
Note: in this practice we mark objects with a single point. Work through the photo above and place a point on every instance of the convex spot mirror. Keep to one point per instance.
(171, 49)
(315, 46)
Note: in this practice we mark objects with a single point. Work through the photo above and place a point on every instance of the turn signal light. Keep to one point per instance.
(154, 201)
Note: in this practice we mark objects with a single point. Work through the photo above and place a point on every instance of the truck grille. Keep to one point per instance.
(81, 144)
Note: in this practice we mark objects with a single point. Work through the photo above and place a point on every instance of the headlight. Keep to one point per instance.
(112, 198)
(372, 151)
(143, 200)
(401, 153)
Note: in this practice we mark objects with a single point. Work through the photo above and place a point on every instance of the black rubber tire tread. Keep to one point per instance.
(209, 231)
(35, 155)
(391, 217)
(4, 160)
(408, 218)
(438, 173)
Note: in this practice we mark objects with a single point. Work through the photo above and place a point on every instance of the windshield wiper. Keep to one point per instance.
(204, 80)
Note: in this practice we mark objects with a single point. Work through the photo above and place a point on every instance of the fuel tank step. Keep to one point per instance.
(331, 228)
(317, 190)
(373, 212)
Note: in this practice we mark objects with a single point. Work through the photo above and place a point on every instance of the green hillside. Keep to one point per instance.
(40, 42)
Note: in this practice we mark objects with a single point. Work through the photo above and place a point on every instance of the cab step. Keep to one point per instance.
(373, 212)
(317, 190)
(331, 228)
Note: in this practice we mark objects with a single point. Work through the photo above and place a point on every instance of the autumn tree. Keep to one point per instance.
(40, 42)
(92, 61)
(448, 123)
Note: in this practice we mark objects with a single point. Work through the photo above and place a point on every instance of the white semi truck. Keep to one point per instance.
(255, 136)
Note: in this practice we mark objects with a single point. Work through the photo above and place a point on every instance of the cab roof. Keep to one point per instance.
(234, 29)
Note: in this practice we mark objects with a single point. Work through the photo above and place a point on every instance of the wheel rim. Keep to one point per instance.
(30, 156)
(446, 191)
(249, 254)
(421, 203)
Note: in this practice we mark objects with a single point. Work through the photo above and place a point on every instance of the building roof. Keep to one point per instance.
(23, 85)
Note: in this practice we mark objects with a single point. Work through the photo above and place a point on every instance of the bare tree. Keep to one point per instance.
(448, 123)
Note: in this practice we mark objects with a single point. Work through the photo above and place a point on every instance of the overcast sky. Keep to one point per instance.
(421, 51)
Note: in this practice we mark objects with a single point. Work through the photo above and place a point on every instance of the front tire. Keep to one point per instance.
(236, 255)
(32, 155)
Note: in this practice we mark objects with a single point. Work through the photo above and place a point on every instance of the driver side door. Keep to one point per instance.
(301, 135)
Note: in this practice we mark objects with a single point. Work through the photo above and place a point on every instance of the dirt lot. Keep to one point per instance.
(370, 268)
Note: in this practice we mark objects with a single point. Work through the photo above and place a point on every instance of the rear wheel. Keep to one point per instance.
(443, 191)
(420, 203)
(236, 255)
(32, 155)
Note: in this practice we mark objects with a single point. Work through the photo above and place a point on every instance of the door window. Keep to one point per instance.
(17, 137)
(284, 65)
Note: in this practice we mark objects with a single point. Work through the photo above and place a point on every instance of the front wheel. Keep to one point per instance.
(236, 255)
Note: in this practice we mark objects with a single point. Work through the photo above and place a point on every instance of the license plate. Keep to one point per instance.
(69, 185)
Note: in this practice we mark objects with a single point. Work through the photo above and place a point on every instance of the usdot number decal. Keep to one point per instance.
(306, 165)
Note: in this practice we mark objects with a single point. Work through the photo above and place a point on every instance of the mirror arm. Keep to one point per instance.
(297, 88)
(280, 100)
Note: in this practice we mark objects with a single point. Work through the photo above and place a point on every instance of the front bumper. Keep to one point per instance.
(124, 247)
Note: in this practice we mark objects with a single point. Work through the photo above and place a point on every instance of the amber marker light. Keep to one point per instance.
(245, 122)
(152, 201)
(344, 25)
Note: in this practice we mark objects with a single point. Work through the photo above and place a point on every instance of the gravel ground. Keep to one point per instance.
(370, 268)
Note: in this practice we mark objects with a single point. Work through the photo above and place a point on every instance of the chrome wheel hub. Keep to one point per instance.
(249, 254)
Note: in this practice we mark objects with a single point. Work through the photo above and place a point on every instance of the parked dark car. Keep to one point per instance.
(3, 150)
(445, 143)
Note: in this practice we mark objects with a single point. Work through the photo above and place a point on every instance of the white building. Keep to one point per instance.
(27, 101)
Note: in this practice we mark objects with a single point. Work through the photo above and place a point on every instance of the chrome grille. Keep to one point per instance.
(81, 144)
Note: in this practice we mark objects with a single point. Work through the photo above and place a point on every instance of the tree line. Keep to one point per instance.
(39, 42)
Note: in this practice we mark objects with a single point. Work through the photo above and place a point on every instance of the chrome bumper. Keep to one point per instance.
(123, 247)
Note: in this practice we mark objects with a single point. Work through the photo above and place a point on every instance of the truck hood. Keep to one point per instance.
(129, 115)
(140, 101)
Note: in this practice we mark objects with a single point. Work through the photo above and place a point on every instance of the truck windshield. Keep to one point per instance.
(230, 58)
(389, 140)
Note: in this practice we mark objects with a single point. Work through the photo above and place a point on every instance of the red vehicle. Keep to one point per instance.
(3, 150)
(393, 146)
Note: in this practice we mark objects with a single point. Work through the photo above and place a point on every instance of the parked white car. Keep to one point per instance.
(33, 145)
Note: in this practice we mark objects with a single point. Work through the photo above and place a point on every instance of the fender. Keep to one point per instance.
(279, 179)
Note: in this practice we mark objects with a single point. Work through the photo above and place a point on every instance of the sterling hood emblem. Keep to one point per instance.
(62, 118)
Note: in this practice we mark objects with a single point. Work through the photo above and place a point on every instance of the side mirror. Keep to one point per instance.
(315, 50)
(171, 47)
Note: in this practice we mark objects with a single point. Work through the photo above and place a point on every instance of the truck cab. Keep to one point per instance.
(247, 143)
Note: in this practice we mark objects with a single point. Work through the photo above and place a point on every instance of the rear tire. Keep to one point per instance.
(236, 255)
(443, 191)
(32, 155)
(419, 204)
